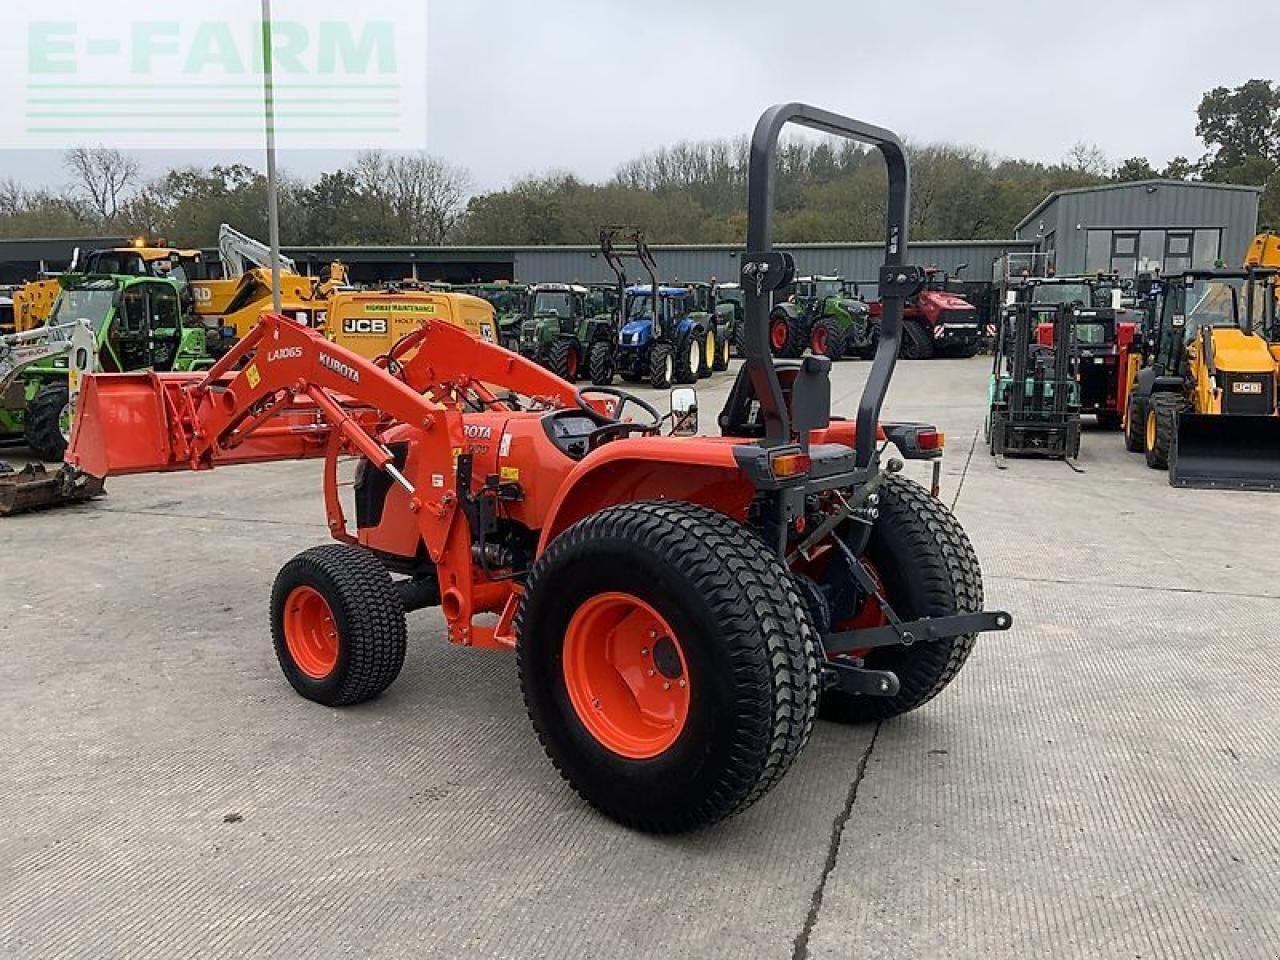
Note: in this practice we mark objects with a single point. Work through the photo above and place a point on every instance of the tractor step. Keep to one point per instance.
(35, 488)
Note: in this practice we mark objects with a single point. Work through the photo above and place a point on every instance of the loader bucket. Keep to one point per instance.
(1228, 452)
(121, 426)
(35, 488)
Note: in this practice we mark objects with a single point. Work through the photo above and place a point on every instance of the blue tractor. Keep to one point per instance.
(658, 340)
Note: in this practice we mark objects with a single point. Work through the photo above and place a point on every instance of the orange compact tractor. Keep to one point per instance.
(680, 606)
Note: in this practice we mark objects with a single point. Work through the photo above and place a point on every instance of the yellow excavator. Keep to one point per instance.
(1202, 399)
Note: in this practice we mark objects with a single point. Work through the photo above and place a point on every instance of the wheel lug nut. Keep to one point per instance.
(682, 682)
(596, 704)
(666, 686)
(651, 673)
(644, 651)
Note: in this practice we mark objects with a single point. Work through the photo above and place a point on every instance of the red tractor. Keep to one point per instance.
(680, 606)
(1102, 340)
(936, 321)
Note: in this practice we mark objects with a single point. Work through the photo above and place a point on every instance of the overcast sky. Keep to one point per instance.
(520, 86)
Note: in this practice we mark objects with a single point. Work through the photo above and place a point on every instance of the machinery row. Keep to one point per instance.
(1188, 371)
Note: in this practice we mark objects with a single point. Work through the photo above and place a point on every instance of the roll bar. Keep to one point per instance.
(764, 270)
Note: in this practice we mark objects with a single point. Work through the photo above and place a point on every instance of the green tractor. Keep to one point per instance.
(136, 323)
(720, 319)
(560, 333)
(509, 301)
(827, 316)
(731, 302)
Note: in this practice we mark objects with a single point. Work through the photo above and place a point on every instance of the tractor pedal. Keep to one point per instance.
(1070, 461)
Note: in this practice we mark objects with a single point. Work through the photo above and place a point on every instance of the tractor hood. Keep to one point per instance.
(944, 301)
(636, 332)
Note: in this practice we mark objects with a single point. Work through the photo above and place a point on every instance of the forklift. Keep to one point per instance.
(1034, 395)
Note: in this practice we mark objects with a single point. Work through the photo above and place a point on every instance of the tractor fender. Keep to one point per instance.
(692, 469)
(790, 310)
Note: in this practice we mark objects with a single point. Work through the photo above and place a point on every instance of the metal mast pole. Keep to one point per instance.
(273, 200)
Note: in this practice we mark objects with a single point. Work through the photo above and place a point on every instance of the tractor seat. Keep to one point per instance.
(806, 393)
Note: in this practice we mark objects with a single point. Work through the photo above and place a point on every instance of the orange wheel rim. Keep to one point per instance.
(626, 675)
(310, 632)
(778, 334)
(820, 340)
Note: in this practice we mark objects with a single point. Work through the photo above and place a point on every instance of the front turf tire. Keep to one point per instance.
(358, 645)
(928, 569)
(749, 652)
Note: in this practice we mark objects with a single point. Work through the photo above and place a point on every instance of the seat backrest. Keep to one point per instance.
(806, 390)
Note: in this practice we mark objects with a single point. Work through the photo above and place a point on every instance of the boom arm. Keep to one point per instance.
(240, 253)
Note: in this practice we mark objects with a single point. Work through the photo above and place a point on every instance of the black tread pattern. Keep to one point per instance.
(686, 370)
(946, 571)
(558, 355)
(658, 355)
(1166, 407)
(1135, 425)
(795, 339)
(917, 342)
(600, 363)
(765, 627)
(41, 428)
(724, 349)
(835, 338)
(371, 622)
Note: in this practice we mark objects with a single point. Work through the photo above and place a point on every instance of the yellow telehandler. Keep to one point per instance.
(1202, 397)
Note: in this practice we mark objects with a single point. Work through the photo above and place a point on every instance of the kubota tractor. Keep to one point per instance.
(679, 606)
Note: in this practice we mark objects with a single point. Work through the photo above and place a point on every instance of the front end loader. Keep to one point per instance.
(1202, 403)
(680, 606)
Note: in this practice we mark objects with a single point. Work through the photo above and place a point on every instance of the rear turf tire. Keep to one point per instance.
(928, 569)
(748, 649)
(367, 639)
(42, 427)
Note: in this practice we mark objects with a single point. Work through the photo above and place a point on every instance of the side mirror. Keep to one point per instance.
(684, 412)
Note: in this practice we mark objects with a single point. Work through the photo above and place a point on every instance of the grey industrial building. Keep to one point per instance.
(1147, 225)
(1124, 227)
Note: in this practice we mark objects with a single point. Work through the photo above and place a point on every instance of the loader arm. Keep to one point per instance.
(286, 393)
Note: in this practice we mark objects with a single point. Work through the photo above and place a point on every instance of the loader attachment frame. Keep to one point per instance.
(1225, 452)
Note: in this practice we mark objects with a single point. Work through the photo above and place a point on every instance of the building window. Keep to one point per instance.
(1097, 255)
(1208, 248)
(1178, 244)
(1124, 244)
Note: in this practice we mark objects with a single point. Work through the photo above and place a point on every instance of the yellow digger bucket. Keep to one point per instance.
(1226, 451)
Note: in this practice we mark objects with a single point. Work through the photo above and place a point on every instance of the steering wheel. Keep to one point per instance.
(616, 427)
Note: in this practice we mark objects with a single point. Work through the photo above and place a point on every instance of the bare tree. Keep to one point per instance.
(1088, 158)
(104, 177)
(423, 196)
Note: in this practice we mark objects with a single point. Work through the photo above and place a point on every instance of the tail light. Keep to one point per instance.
(787, 463)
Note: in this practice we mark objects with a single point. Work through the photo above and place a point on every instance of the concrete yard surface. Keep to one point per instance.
(1102, 781)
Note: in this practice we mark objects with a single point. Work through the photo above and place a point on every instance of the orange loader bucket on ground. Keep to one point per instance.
(1226, 451)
